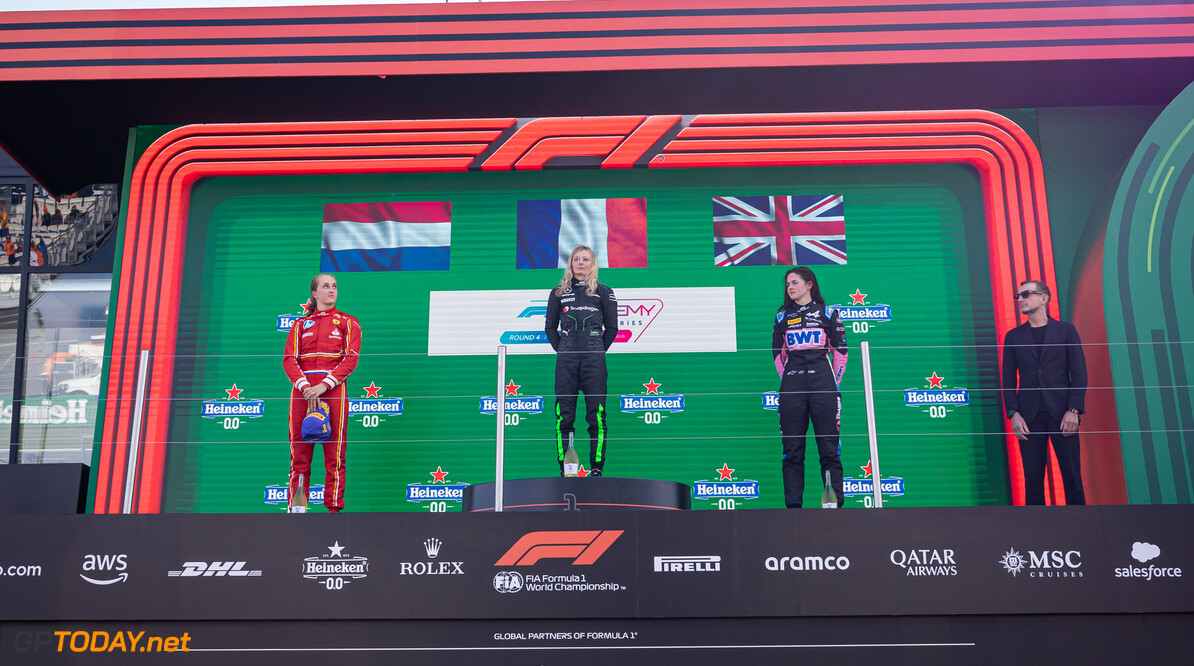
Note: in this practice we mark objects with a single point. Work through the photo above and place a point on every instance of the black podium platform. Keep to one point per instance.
(577, 494)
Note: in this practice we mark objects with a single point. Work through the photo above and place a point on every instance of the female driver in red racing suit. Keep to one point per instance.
(321, 351)
(809, 344)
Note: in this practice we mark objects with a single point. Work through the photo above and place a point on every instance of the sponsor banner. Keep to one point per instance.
(384, 406)
(704, 490)
(892, 486)
(425, 492)
(1144, 552)
(687, 563)
(1039, 564)
(771, 400)
(600, 564)
(58, 410)
(952, 397)
(868, 313)
(650, 320)
(516, 404)
(281, 494)
(286, 322)
(336, 568)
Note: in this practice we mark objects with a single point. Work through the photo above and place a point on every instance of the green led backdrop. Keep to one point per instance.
(915, 241)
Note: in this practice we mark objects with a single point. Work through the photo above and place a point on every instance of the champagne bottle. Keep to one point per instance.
(298, 503)
(828, 497)
(571, 460)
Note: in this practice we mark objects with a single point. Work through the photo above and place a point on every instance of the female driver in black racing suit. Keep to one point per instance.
(809, 345)
(582, 322)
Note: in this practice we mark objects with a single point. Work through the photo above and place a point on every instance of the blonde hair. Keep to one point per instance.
(590, 280)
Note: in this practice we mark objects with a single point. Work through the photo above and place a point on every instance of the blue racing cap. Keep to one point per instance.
(317, 424)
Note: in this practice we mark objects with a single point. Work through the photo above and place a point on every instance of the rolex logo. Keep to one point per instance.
(432, 546)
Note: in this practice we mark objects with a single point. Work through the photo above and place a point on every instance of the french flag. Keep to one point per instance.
(550, 229)
(387, 236)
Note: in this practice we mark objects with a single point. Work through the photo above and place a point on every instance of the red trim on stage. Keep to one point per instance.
(1006, 159)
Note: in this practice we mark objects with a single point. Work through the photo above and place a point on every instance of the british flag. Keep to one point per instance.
(779, 231)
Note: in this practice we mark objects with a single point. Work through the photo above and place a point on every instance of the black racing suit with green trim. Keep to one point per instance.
(581, 328)
(809, 345)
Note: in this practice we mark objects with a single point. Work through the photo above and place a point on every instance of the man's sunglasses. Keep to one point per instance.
(1026, 293)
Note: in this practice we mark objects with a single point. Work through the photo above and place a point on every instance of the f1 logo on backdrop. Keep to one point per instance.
(585, 546)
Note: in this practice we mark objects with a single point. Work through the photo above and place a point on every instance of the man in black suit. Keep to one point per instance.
(1050, 395)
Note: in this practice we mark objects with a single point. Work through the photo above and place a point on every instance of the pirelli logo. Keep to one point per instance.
(582, 546)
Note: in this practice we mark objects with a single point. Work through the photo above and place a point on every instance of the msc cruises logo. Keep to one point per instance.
(524, 404)
(438, 489)
(233, 406)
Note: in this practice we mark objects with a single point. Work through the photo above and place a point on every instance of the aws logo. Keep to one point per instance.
(105, 568)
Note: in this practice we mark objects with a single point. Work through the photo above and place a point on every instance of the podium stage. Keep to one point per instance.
(604, 493)
(912, 585)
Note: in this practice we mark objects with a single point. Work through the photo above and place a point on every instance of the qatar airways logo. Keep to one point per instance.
(232, 407)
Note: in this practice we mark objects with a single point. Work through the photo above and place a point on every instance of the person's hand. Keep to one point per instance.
(312, 393)
(1020, 428)
(1069, 424)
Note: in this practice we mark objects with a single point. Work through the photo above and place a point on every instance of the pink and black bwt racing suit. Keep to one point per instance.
(809, 345)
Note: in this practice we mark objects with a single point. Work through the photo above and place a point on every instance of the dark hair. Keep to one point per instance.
(1040, 286)
(310, 306)
(808, 276)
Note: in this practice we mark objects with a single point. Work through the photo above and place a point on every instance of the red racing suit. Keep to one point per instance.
(323, 346)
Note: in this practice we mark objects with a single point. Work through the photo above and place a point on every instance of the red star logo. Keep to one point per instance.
(438, 474)
(512, 388)
(652, 387)
(234, 393)
(582, 472)
(303, 305)
(725, 472)
(371, 390)
(866, 470)
(934, 381)
(858, 297)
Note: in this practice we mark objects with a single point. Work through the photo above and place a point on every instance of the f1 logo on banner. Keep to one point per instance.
(584, 545)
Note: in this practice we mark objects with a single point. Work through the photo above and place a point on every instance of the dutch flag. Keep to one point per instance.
(549, 229)
(412, 236)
